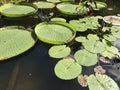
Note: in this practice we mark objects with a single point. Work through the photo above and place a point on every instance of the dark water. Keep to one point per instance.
(34, 70)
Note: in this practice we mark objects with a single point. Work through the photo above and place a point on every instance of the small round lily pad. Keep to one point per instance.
(67, 69)
(59, 51)
(44, 5)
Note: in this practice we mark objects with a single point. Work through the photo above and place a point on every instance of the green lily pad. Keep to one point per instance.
(44, 5)
(54, 1)
(101, 82)
(85, 58)
(94, 46)
(89, 22)
(16, 10)
(100, 5)
(59, 51)
(67, 8)
(67, 69)
(110, 52)
(55, 32)
(81, 39)
(14, 41)
(58, 19)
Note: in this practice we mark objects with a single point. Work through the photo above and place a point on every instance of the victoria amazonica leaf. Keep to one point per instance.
(58, 19)
(44, 5)
(67, 69)
(67, 8)
(14, 41)
(15, 10)
(59, 51)
(101, 82)
(85, 58)
(55, 32)
(54, 1)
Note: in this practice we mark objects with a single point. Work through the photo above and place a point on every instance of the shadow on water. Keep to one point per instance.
(34, 70)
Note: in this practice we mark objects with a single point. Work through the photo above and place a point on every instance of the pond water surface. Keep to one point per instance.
(34, 70)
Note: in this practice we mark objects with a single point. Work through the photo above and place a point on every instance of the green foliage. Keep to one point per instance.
(44, 5)
(99, 5)
(60, 51)
(55, 32)
(16, 10)
(101, 82)
(89, 22)
(14, 41)
(85, 58)
(67, 69)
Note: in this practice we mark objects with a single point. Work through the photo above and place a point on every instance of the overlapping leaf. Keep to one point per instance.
(101, 82)
(59, 51)
(67, 69)
(85, 58)
(83, 24)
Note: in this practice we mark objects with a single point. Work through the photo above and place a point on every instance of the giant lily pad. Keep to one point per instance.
(101, 82)
(67, 69)
(14, 41)
(44, 5)
(55, 32)
(16, 10)
(67, 8)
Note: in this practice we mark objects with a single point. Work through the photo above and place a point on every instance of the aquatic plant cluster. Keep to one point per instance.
(94, 37)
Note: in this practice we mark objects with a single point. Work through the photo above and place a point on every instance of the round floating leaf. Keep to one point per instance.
(44, 5)
(85, 58)
(67, 69)
(92, 37)
(83, 24)
(101, 82)
(78, 25)
(100, 5)
(54, 1)
(109, 37)
(81, 39)
(59, 51)
(58, 19)
(94, 46)
(93, 83)
(14, 41)
(110, 52)
(55, 32)
(16, 10)
(67, 8)
(107, 82)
